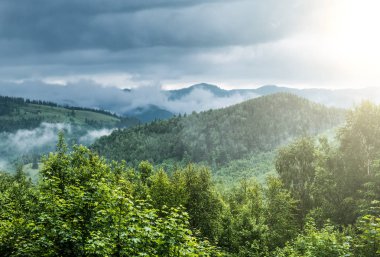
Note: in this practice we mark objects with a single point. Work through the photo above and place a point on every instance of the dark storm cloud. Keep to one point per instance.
(151, 39)
(45, 25)
(67, 24)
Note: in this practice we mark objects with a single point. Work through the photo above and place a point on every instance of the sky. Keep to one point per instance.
(176, 43)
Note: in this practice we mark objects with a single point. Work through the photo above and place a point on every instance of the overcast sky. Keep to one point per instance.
(175, 43)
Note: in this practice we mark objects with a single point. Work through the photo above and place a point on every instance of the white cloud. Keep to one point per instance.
(89, 94)
(92, 135)
(25, 140)
(201, 100)
(41, 140)
(3, 165)
(235, 43)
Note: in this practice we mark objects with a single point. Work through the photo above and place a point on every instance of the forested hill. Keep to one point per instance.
(18, 113)
(219, 136)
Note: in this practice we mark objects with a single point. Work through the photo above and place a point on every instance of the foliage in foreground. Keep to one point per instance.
(325, 202)
(83, 206)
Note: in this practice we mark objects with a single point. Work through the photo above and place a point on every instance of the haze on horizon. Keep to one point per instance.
(176, 43)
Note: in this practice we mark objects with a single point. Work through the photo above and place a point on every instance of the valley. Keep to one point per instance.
(189, 128)
(266, 167)
(29, 129)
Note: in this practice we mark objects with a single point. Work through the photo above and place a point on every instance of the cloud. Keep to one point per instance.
(116, 100)
(92, 135)
(201, 100)
(41, 140)
(3, 166)
(116, 25)
(24, 141)
(240, 42)
(153, 40)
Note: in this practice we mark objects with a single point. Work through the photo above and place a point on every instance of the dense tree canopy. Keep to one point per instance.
(83, 206)
(323, 200)
(220, 136)
(18, 113)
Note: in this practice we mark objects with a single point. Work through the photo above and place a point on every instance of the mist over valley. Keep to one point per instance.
(189, 128)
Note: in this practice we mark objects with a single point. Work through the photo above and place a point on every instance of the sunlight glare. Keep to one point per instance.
(353, 31)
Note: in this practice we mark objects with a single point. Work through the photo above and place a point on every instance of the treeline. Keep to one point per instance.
(20, 123)
(7, 104)
(83, 206)
(219, 136)
(76, 108)
(324, 202)
(336, 186)
(8, 100)
(123, 122)
(18, 113)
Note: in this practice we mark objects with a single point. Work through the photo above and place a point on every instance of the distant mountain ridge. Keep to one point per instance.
(19, 113)
(342, 98)
(152, 102)
(149, 113)
(215, 90)
(219, 136)
(28, 129)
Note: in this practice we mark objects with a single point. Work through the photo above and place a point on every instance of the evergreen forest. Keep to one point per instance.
(276, 176)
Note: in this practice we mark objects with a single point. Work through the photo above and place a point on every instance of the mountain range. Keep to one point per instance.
(150, 103)
(341, 98)
(219, 136)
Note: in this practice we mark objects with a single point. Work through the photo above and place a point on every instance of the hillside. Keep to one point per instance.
(178, 94)
(149, 113)
(341, 98)
(28, 129)
(17, 113)
(219, 136)
(150, 103)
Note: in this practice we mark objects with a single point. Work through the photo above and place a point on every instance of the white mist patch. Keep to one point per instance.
(92, 135)
(87, 93)
(3, 165)
(25, 143)
(25, 140)
(201, 100)
(197, 100)
(41, 140)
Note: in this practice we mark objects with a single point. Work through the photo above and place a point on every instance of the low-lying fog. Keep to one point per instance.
(25, 144)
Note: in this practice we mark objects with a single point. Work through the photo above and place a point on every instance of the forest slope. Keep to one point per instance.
(17, 113)
(219, 136)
